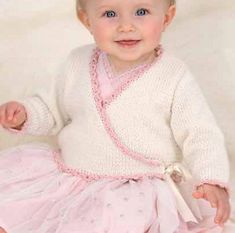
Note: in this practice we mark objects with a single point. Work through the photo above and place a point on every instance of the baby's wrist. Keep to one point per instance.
(219, 184)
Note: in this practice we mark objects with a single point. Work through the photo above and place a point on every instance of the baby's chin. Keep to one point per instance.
(127, 58)
(139, 58)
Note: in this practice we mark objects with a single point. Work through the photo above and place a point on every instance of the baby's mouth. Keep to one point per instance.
(127, 43)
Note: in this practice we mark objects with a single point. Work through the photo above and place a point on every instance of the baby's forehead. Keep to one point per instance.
(123, 3)
(127, 4)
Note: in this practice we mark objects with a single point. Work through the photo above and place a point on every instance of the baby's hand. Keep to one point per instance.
(12, 115)
(218, 198)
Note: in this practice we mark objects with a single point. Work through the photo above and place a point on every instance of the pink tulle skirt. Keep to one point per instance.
(35, 197)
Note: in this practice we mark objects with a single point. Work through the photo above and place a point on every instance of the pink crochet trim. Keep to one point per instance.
(110, 73)
(134, 73)
(101, 107)
(213, 182)
(91, 177)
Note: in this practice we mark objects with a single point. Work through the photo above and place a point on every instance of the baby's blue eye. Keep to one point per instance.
(141, 12)
(110, 14)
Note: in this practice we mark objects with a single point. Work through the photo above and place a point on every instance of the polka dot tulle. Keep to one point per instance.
(36, 197)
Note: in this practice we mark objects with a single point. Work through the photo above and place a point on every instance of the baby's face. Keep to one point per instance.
(126, 30)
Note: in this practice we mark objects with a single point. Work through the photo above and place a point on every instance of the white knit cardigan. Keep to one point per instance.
(154, 120)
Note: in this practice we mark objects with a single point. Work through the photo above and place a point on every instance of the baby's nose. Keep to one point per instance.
(126, 24)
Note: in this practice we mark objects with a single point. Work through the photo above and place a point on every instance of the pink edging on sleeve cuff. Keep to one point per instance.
(214, 182)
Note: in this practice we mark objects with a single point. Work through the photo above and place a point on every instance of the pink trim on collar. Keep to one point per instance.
(91, 177)
(111, 76)
(134, 73)
(101, 107)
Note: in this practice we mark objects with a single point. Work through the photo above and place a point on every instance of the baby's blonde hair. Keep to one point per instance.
(81, 3)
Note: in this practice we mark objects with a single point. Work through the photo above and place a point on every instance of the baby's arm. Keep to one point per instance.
(35, 116)
(41, 114)
(45, 110)
(202, 143)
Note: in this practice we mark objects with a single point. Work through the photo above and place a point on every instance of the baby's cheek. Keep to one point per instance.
(102, 36)
(154, 31)
(102, 30)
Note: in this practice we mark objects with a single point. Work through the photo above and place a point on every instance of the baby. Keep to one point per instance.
(129, 117)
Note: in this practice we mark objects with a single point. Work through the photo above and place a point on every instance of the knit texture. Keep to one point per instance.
(161, 115)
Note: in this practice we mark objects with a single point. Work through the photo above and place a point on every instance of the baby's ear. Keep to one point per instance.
(83, 17)
(170, 14)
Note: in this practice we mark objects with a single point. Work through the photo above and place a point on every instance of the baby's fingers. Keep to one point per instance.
(219, 214)
(19, 117)
(223, 212)
(10, 114)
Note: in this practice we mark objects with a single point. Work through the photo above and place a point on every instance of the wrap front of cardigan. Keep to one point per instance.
(154, 120)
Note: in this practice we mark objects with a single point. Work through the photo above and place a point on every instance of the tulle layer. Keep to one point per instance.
(35, 197)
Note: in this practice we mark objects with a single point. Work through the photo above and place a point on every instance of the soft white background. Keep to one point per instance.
(36, 37)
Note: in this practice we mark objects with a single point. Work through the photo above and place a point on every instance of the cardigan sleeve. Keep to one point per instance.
(46, 112)
(197, 134)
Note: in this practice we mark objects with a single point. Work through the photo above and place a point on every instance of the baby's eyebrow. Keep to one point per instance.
(105, 7)
(144, 4)
(137, 5)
